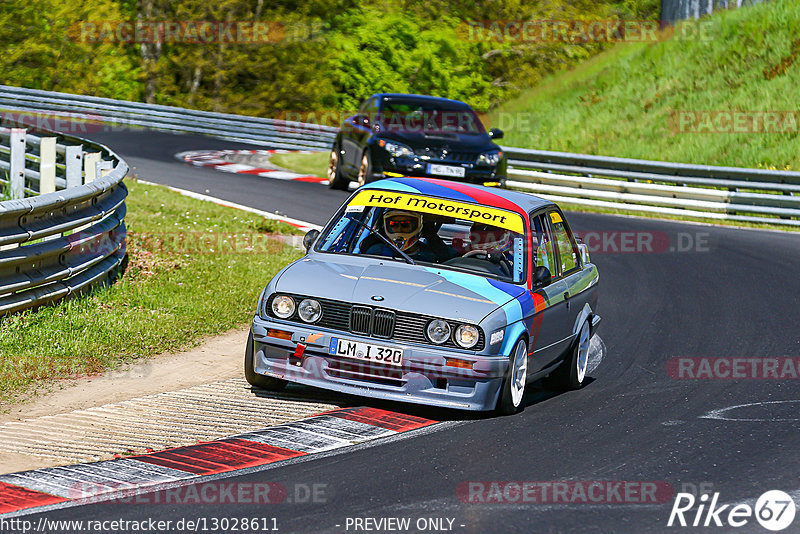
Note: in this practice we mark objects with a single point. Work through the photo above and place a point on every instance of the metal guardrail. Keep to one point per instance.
(63, 228)
(704, 191)
(675, 10)
(120, 114)
(730, 193)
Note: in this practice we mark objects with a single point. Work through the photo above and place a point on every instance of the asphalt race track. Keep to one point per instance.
(720, 292)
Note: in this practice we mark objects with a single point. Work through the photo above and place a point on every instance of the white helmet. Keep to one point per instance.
(489, 238)
(402, 227)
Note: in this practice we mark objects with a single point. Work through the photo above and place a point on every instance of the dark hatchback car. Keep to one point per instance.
(415, 135)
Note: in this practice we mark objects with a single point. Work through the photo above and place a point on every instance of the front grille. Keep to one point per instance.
(411, 328)
(446, 155)
(375, 322)
(361, 320)
(461, 157)
(335, 315)
(383, 326)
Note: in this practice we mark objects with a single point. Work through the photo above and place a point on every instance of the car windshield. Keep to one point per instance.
(429, 117)
(449, 234)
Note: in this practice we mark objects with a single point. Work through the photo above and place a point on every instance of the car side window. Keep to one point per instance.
(565, 243)
(542, 245)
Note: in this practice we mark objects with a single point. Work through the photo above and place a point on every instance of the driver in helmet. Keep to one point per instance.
(490, 239)
(405, 230)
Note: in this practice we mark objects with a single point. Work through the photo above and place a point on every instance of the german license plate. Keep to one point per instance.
(446, 170)
(366, 352)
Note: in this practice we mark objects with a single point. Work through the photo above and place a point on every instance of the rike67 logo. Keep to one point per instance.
(774, 510)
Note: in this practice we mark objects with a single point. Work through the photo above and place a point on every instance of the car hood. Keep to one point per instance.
(410, 288)
(454, 141)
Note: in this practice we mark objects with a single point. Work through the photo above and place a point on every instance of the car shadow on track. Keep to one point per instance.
(535, 394)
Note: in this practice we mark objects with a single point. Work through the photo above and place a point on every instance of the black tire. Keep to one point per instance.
(364, 169)
(335, 178)
(508, 403)
(255, 379)
(566, 377)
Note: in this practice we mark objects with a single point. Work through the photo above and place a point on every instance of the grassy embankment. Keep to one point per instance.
(626, 101)
(195, 270)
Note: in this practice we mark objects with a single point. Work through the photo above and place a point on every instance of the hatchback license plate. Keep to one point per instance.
(446, 170)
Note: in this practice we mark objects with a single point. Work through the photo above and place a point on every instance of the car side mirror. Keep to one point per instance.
(541, 276)
(496, 133)
(309, 238)
(583, 248)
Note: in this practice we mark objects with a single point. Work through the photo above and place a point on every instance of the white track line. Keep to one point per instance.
(302, 225)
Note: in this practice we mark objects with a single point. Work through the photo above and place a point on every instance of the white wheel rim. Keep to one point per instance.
(519, 373)
(332, 164)
(362, 171)
(583, 352)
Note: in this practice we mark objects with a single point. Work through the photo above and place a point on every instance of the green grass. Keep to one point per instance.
(184, 282)
(314, 164)
(622, 102)
(5, 187)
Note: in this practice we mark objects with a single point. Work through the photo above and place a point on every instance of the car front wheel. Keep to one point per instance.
(365, 169)
(255, 379)
(513, 390)
(335, 178)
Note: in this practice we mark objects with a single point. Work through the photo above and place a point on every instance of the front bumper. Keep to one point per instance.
(423, 378)
(414, 166)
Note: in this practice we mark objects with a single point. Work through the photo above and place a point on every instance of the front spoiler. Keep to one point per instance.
(466, 389)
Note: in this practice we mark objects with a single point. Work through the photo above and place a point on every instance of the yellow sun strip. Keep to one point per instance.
(437, 206)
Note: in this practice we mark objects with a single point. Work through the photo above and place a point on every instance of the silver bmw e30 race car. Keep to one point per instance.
(435, 292)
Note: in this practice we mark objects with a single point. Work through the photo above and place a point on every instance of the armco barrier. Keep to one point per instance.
(62, 226)
(275, 133)
(729, 193)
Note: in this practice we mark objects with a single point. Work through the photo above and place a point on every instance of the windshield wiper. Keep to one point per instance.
(385, 239)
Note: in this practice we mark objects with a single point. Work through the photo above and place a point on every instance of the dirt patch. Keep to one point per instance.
(216, 358)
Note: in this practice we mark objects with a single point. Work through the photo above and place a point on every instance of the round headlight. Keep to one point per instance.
(438, 331)
(309, 310)
(283, 306)
(467, 336)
